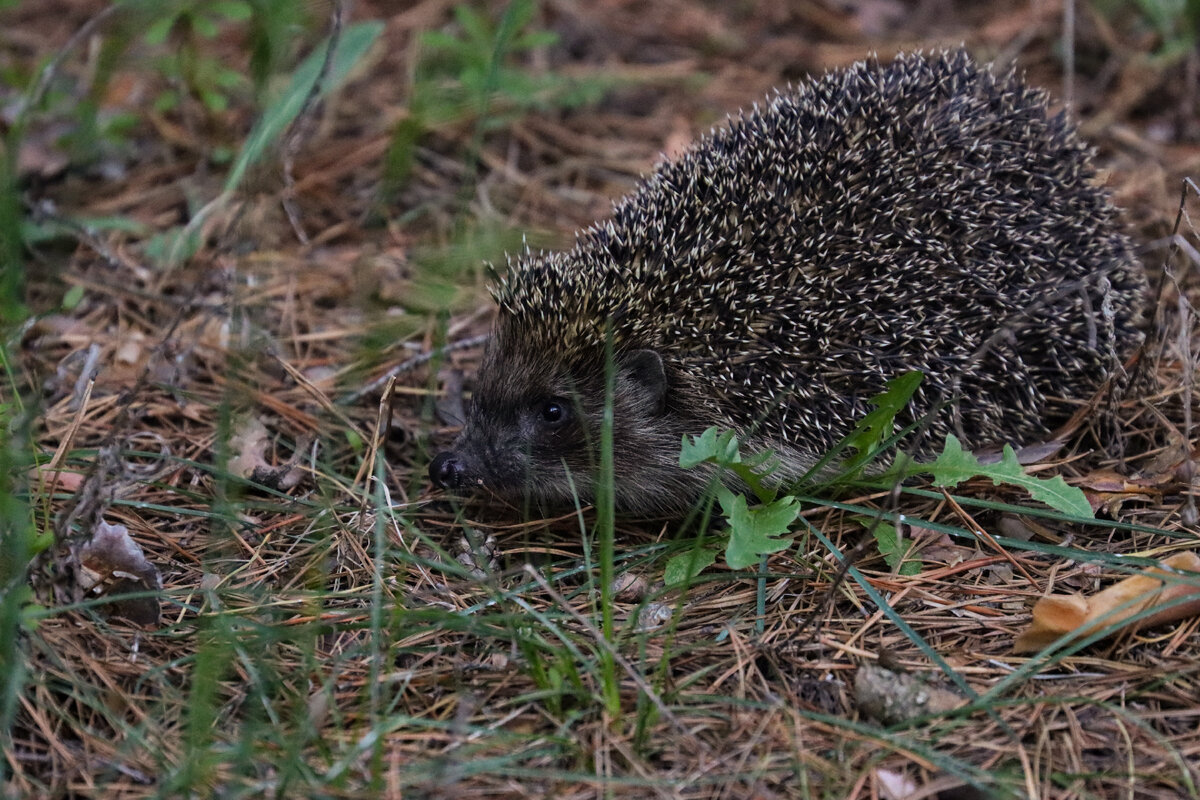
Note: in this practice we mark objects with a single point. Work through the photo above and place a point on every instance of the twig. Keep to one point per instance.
(982, 535)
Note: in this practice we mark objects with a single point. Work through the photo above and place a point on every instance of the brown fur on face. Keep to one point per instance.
(510, 448)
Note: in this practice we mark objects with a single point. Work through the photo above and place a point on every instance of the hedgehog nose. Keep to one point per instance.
(445, 470)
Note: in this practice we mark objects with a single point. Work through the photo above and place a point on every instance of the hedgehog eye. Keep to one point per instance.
(553, 411)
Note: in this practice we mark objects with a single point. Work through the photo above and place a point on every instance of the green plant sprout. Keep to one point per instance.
(474, 74)
(765, 528)
(1176, 22)
(188, 26)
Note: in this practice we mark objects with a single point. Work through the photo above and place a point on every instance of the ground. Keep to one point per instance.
(199, 366)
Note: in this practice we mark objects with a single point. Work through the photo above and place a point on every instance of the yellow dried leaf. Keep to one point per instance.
(1079, 616)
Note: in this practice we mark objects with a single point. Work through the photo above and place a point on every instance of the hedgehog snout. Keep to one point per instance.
(446, 470)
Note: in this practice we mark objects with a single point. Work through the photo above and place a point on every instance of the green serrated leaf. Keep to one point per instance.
(956, 465)
(890, 546)
(870, 435)
(875, 428)
(683, 568)
(720, 447)
(754, 532)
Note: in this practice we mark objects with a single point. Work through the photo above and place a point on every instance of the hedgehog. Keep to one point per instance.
(929, 214)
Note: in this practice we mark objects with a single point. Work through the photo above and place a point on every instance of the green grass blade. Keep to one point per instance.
(352, 46)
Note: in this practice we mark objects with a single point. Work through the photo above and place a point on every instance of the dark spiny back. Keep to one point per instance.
(921, 215)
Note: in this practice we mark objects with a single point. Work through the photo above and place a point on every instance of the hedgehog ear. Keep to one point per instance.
(645, 369)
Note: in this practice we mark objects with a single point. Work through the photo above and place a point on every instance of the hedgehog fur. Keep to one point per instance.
(928, 214)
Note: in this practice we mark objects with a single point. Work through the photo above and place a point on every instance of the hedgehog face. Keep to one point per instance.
(533, 429)
(525, 429)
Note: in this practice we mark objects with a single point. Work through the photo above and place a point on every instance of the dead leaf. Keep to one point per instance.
(56, 480)
(131, 349)
(935, 546)
(1108, 490)
(1077, 616)
(895, 785)
(112, 563)
(249, 447)
(1113, 482)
